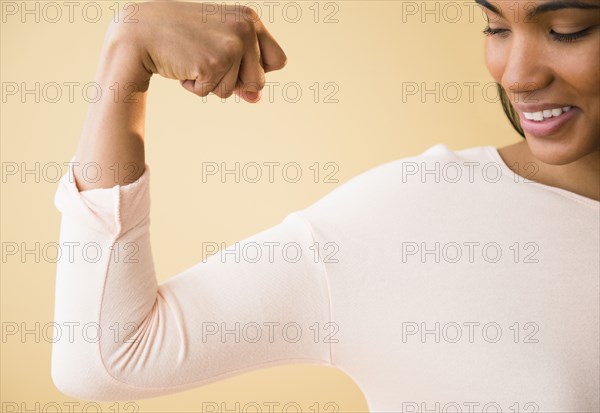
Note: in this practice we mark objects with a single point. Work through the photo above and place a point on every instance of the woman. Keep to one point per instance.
(449, 280)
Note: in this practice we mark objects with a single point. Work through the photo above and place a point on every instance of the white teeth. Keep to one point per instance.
(546, 114)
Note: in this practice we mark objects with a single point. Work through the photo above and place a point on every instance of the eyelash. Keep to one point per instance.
(560, 37)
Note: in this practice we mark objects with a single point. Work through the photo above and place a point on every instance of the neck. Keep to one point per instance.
(581, 177)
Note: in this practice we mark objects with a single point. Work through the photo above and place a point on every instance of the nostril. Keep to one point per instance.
(523, 87)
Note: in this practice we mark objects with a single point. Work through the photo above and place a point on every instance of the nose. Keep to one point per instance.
(525, 71)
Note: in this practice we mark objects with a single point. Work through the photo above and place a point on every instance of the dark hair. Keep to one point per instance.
(509, 110)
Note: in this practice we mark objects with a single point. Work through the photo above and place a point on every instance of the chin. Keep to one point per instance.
(562, 150)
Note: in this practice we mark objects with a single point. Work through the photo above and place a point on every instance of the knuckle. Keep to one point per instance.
(249, 14)
(257, 84)
(232, 46)
(217, 64)
(279, 63)
(284, 61)
(200, 75)
(242, 28)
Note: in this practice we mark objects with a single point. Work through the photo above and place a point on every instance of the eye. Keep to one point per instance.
(488, 31)
(569, 37)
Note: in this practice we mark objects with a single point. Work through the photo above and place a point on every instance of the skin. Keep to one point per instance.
(228, 52)
(231, 52)
(533, 66)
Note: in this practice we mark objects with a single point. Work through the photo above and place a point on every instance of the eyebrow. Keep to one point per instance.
(544, 7)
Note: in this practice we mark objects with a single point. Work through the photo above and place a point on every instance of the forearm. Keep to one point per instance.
(209, 50)
(112, 139)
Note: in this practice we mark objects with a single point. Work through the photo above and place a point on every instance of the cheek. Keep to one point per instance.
(590, 73)
(494, 60)
(580, 72)
(581, 69)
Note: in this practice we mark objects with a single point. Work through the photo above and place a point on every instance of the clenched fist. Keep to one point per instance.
(223, 49)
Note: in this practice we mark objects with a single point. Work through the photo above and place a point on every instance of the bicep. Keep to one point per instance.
(255, 304)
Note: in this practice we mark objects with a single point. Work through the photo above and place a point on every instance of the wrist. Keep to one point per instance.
(123, 58)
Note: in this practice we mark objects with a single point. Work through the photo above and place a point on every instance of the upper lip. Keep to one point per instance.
(538, 107)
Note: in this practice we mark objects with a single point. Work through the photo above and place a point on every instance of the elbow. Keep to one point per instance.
(78, 371)
(79, 375)
(75, 383)
(65, 383)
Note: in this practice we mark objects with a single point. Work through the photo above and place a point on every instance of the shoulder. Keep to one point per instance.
(432, 189)
(429, 173)
(437, 163)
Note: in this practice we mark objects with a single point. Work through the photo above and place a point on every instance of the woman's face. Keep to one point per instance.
(546, 62)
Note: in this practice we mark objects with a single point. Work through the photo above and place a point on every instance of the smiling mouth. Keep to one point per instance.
(543, 115)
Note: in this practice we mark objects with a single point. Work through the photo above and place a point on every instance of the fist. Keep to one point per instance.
(223, 49)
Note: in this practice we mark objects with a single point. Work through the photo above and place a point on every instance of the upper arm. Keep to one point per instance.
(255, 304)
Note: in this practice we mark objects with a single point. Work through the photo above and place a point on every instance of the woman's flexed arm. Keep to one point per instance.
(205, 47)
(124, 334)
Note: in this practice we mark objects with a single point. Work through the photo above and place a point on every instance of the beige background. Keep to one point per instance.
(369, 53)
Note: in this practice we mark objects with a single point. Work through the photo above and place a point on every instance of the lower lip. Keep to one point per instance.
(548, 126)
